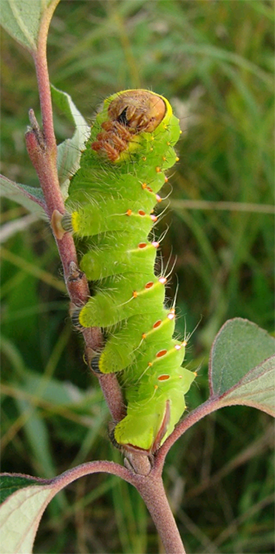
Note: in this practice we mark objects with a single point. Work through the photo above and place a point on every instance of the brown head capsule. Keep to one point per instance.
(130, 113)
(139, 110)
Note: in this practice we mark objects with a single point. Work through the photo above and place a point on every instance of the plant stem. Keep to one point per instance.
(153, 493)
(211, 405)
(42, 150)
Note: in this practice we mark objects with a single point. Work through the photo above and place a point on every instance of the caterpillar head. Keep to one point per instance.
(130, 113)
(139, 110)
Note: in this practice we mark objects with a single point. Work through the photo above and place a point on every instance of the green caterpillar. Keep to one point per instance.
(111, 201)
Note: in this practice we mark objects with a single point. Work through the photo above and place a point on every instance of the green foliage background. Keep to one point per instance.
(213, 60)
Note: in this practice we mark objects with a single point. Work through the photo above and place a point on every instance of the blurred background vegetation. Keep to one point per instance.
(213, 60)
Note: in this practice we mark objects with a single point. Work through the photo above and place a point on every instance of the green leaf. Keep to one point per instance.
(22, 19)
(68, 156)
(69, 151)
(242, 365)
(256, 389)
(25, 498)
(21, 512)
(29, 197)
(12, 483)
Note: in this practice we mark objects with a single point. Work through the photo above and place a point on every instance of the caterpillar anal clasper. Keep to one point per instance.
(110, 206)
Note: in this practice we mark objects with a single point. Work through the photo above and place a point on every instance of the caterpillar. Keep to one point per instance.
(110, 205)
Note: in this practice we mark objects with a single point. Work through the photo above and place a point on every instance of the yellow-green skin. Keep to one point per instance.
(111, 204)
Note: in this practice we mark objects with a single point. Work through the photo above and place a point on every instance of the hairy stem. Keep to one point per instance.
(153, 493)
(211, 405)
(42, 149)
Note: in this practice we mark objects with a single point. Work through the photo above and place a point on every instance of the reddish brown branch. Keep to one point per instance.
(211, 405)
(42, 149)
(154, 496)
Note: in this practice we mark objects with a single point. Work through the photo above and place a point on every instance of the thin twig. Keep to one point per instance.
(42, 150)
(153, 493)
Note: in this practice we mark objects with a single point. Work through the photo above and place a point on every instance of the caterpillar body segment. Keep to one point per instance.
(121, 296)
(116, 254)
(147, 423)
(128, 342)
(111, 215)
(110, 206)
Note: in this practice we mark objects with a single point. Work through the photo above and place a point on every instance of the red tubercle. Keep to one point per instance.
(141, 212)
(163, 377)
(161, 353)
(149, 285)
(142, 245)
(157, 324)
(144, 186)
